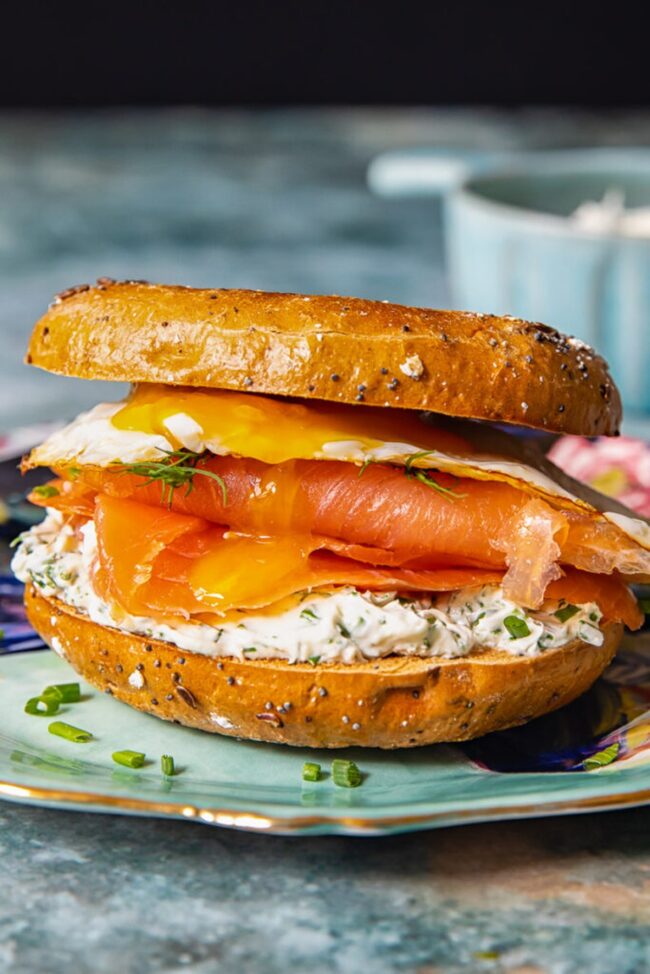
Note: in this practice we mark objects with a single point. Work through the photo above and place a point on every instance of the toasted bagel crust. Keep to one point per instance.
(333, 348)
(394, 702)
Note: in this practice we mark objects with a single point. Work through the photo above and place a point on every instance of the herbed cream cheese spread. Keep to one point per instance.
(346, 626)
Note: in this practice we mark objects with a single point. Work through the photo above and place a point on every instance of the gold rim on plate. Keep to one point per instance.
(254, 822)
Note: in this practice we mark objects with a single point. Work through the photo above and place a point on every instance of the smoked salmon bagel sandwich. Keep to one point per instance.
(306, 524)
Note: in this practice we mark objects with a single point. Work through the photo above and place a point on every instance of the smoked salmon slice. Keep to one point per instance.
(410, 522)
(161, 563)
(130, 537)
(615, 600)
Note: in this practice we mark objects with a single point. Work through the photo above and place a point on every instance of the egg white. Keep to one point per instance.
(92, 439)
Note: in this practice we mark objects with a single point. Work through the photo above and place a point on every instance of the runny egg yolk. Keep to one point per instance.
(275, 430)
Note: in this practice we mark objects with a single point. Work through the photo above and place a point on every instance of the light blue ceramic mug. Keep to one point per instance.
(512, 248)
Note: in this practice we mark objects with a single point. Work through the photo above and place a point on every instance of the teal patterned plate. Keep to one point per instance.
(537, 770)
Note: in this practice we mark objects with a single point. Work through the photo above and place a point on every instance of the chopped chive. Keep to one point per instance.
(42, 706)
(167, 765)
(345, 774)
(516, 627)
(644, 604)
(566, 612)
(70, 733)
(343, 630)
(310, 771)
(249, 649)
(364, 466)
(130, 759)
(64, 692)
(601, 758)
(309, 614)
(314, 660)
(46, 490)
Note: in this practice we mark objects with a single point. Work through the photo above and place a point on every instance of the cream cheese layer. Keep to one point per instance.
(344, 626)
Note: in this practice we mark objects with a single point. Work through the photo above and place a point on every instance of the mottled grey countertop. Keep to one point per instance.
(277, 201)
(93, 893)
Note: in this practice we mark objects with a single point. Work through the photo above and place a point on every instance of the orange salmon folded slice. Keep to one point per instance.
(392, 519)
(156, 562)
(159, 563)
(615, 599)
(130, 540)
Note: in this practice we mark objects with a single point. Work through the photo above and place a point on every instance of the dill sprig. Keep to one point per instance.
(364, 466)
(426, 477)
(178, 470)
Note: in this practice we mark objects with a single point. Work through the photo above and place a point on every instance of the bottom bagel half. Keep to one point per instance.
(388, 703)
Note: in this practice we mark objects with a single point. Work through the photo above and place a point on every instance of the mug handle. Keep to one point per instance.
(421, 172)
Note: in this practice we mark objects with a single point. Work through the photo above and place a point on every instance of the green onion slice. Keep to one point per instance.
(63, 692)
(167, 765)
(42, 706)
(345, 774)
(566, 612)
(70, 733)
(516, 627)
(601, 758)
(309, 614)
(310, 771)
(130, 759)
(46, 490)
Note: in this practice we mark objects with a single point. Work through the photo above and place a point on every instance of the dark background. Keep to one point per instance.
(264, 53)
